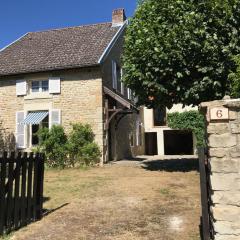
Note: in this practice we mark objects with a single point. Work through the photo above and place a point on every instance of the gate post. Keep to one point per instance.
(223, 140)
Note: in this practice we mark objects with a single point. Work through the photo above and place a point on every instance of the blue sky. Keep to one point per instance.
(21, 16)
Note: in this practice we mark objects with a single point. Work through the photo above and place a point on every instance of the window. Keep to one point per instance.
(131, 140)
(45, 86)
(40, 86)
(129, 94)
(34, 138)
(160, 116)
(122, 84)
(119, 78)
(116, 77)
(34, 129)
(138, 132)
(36, 86)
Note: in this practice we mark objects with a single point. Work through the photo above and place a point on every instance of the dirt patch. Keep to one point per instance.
(120, 201)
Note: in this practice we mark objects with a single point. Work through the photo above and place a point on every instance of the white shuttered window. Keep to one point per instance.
(114, 75)
(129, 94)
(21, 87)
(20, 130)
(55, 117)
(54, 85)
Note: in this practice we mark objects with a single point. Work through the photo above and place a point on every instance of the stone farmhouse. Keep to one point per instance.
(70, 75)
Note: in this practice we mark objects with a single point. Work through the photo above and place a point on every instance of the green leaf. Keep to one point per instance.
(190, 44)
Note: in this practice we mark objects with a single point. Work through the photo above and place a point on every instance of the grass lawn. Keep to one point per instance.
(123, 201)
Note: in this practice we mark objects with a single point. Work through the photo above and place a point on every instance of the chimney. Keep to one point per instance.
(118, 17)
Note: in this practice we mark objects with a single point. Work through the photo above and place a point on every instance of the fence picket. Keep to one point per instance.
(35, 179)
(16, 191)
(29, 188)
(9, 187)
(2, 192)
(21, 190)
(40, 181)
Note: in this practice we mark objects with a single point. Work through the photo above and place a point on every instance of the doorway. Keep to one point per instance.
(33, 133)
(151, 143)
(178, 142)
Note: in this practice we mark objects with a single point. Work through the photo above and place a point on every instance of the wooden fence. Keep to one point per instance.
(206, 220)
(21, 190)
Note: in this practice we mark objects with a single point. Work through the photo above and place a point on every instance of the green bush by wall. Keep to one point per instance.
(189, 120)
(63, 151)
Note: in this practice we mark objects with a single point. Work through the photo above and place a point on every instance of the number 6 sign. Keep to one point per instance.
(219, 114)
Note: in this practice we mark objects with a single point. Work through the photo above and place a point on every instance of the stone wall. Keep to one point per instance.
(120, 139)
(80, 100)
(224, 159)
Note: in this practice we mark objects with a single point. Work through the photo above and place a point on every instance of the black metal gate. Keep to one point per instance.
(206, 218)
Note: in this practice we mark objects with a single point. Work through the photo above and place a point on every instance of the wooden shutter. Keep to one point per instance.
(129, 94)
(21, 87)
(55, 117)
(122, 88)
(114, 75)
(122, 84)
(54, 85)
(138, 131)
(20, 129)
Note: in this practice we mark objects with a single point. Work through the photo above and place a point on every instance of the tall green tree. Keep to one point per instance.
(139, 2)
(181, 51)
(234, 79)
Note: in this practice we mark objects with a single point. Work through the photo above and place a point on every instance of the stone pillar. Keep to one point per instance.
(223, 135)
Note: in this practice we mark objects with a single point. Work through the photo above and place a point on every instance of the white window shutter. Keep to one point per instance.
(54, 85)
(21, 87)
(129, 94)
(137, 131)
(114, 75)
(122, 88)
(20, 138)
(122, 84)
(55, 117)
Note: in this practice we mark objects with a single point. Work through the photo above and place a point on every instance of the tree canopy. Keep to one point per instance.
(181, 51)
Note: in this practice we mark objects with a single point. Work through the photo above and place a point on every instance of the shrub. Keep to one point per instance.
(90, 153)
(81, 145)
(189, 120)
(53, 143)
(62, 151)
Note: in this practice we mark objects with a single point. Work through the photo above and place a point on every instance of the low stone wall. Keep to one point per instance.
(223, 131)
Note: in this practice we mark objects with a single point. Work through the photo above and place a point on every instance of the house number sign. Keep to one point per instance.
(219, 114)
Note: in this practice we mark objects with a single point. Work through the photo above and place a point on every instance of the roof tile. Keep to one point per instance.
(57, 49)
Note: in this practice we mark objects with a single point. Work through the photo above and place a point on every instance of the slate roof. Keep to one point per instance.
(64, 48)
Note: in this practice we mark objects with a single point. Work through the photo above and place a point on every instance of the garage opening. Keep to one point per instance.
(151, 143)
(178, 142)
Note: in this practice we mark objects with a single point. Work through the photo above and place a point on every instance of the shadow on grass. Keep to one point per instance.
(172, 165)
(49, 211)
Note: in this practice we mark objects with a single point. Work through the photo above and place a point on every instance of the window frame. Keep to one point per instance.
(29, 133)
(40, 87)
(165, 117)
